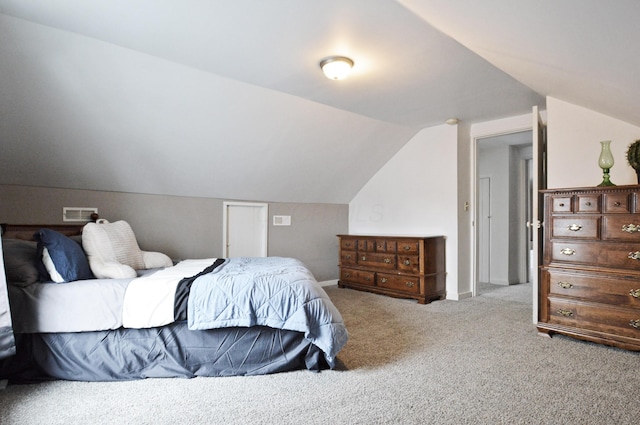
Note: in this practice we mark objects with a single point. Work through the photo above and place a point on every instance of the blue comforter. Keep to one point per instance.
(274, 291)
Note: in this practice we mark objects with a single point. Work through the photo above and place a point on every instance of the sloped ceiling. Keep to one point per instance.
(226, 99)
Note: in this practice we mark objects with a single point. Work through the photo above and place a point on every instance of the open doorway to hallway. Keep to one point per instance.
(505, 190)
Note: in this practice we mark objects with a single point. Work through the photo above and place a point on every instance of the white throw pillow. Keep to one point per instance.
(112, 249)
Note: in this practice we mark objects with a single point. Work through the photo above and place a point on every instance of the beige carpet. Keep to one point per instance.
(476, 361)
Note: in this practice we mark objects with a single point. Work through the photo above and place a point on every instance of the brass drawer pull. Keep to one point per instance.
(567, 251)
(384, 280)
(407, 247)
(635, 293)
(407, 262)
(565, 285)
(630, 228)
(348, 257)
(387, 260)
(574, 227)
(409, 284)
(368, 278)
(364, 258)
(635, 323)
(634, 255)
(565, 313)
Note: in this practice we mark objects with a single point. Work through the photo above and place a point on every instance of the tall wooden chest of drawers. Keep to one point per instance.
(402, 266)
(590, 278)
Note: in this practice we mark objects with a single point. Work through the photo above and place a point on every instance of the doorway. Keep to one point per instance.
(245, 229)
(504, 193)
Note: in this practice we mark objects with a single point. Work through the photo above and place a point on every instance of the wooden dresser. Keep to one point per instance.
(402, 266)
(590, 278)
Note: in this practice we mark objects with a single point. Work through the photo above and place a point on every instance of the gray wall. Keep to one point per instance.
(187, 227)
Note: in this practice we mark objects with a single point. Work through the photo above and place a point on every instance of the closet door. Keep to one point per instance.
(246, 226)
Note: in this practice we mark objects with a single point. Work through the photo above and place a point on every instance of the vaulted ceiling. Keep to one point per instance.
(225, 99)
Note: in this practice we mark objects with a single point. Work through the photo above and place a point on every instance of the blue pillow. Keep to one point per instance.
(67, 256)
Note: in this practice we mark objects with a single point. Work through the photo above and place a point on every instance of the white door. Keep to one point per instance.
(246, 226)
(539, 180)
(484, 230)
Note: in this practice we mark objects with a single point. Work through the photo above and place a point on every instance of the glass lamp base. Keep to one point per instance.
(605, 178)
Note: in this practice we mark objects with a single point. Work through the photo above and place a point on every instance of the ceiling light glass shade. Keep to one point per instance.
(337, 67)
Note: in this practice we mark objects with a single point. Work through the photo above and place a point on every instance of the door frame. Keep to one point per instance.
(264, 210)
(479, 131)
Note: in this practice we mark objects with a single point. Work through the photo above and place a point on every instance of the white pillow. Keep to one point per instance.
(113, 251)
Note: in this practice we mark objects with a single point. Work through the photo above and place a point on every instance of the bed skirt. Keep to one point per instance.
(168, 351)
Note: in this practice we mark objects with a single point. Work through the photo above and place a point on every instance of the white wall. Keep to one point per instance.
(415, 193)
(574, 135)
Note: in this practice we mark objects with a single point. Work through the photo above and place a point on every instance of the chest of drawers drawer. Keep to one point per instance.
(595, 317)
(362, 277)
(618, 256)
(575, 227)
(619, 290)
(399, 282)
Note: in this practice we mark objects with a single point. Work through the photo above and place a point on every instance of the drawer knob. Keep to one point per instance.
(407, 262)
(635, 293)
(567, 251)
(561, 204)
(407, 247)
(588, 204)
(387, 260)
(368, 278)
(565, 285)
(634, 255)
(565, 313)
(635, 323)
(348, 257)
(575, 227)
(384, 280)
(617, 204)
(347, 275)
(364, 258)
(409, 284)
(630, 228)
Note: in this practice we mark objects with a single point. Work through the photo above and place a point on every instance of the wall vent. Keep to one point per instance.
(78, 214)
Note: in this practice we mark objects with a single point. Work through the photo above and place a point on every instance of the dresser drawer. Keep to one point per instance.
(618, 202)
(596, 317)
(561, 204)
(377, 260)
(575, 227)
(622, 227)
(622, 256)
(399, 283)
(588, 203)
(383, 245)
(348, 244)
(409, 263)
(358, 276)
(601, 288)
(348, 258)
(408, 246)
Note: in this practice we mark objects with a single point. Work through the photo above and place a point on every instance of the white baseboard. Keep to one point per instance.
(329, 282)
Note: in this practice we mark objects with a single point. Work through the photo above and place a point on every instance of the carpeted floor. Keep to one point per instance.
(475, 361)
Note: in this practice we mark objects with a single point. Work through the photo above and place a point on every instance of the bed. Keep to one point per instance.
(204, 317)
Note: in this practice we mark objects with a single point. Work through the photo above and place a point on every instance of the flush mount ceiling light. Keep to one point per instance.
(336, 67)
